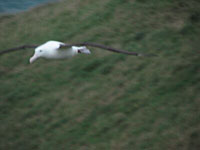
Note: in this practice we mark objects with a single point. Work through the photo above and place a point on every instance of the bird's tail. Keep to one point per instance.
(81, 49)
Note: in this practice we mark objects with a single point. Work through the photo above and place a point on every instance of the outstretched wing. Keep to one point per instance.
(107, 48)
(23, 47)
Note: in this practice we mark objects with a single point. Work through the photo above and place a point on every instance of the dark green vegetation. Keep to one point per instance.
(106, 100)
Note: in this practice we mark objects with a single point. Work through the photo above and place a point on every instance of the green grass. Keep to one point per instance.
(106, 100)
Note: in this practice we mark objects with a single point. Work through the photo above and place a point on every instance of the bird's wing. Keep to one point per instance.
(23, 47)
(107, 48)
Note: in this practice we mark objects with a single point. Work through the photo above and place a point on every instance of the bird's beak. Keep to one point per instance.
(32, 59)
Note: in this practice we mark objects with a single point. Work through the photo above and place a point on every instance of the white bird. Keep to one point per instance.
(52, 50)
(59, 50)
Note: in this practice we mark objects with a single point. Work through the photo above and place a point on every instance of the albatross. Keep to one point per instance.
(53, 50)
(59, 50)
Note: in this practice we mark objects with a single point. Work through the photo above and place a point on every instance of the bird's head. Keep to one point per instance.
(38, 53)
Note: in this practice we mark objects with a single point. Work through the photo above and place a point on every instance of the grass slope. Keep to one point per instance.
(103, 101)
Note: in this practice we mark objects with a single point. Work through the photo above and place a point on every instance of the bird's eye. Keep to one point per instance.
(40, 50)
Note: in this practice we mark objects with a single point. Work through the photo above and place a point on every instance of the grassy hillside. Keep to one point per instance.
(106, 100)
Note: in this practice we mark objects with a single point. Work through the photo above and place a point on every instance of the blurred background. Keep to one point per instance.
(104, 101)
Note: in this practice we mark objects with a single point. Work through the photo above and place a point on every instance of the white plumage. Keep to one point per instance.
(51, 50)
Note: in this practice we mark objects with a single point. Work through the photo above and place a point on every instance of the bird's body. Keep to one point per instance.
(52, 50)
